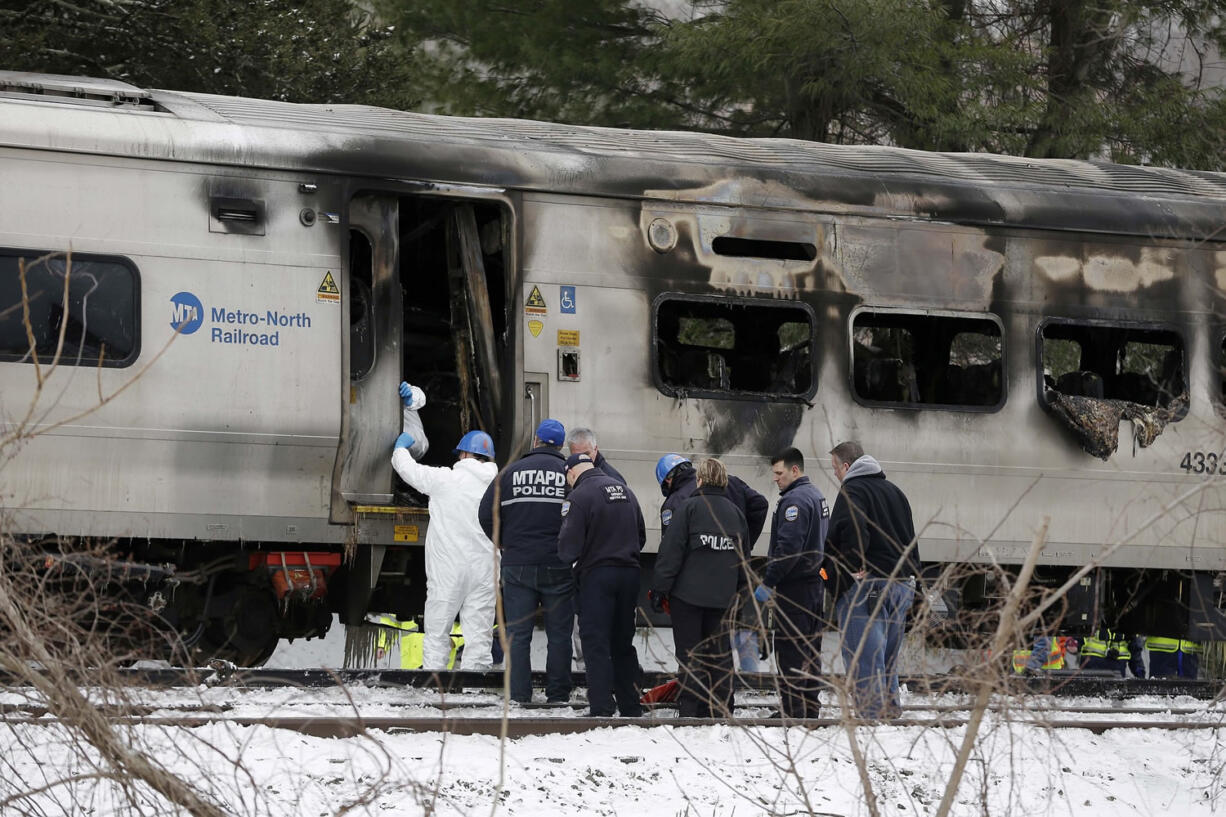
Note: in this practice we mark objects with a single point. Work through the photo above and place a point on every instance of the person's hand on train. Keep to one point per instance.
(405, 440)
(406, 393)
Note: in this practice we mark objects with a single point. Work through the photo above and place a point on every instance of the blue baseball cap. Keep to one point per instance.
(550, 432)
(575, 459)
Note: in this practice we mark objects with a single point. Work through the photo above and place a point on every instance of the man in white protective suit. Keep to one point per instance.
(459, 556)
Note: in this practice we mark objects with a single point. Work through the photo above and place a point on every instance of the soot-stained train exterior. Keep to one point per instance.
(248, 281)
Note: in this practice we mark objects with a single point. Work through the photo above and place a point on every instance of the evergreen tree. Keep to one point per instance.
(1046, 78)
(308, 51)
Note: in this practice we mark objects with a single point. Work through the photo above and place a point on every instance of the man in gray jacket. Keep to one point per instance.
(871, 544)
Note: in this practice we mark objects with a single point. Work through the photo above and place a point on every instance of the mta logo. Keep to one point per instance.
(186, 312)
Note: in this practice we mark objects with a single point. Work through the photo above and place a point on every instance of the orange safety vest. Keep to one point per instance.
(1055, 658)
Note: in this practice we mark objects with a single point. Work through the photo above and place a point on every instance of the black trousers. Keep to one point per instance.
(798, 647)
(606, 600)
(704, 659)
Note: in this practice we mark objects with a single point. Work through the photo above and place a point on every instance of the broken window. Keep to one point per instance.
(92, 301)
(1135, 364)
(926, 359)
(1222, 369)
(1097, 374)
(734, 347)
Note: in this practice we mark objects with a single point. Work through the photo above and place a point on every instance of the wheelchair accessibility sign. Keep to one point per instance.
(566, 300)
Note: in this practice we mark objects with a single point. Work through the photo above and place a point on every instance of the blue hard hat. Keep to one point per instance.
(476, 442)
(551, 432)
(666, 465)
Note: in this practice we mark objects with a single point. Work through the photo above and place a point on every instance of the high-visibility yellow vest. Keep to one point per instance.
(1094, 647)
(1155, 643)
(410, 640)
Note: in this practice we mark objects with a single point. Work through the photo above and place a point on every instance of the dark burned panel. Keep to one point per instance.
(733, 348)
(1095, 374)
(1221, 369)
(927, 360)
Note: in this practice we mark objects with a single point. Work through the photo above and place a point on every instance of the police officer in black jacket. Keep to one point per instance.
(793, 578)
(529, 495)
(697, 571)
(601, 536)
(583, 441)
(676, 477)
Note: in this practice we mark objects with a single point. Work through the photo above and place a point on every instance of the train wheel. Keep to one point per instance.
(246, 636)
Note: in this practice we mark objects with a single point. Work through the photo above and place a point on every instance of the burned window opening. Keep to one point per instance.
(1222, 368)
(734, 348)
(1095, 375)
(101, 321)
(913, 360)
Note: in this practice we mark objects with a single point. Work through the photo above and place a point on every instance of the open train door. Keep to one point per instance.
(426, 292)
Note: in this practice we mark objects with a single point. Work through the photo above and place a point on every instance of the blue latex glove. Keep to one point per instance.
(762, 594)
(406, 393)
(405, 440)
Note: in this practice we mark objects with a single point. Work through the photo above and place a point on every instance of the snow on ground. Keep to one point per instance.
(1018, 766)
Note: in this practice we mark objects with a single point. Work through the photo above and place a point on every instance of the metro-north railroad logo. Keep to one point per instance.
(187, 313)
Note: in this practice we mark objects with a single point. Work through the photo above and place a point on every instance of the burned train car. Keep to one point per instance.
(206, 305)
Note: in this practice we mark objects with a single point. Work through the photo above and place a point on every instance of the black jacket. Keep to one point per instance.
(603, 464)
(752, 504)
(871, 527)
(531, 491)
(602, 524)
(798, 535)
(702, 550)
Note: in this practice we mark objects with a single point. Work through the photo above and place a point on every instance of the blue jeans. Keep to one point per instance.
(872, 619)
(747, 649)
(524, 588)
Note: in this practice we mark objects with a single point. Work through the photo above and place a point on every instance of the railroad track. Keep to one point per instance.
(520, 711)
(1059, 683)
(351, 726)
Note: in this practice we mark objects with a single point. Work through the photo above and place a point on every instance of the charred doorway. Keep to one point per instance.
(453, 283)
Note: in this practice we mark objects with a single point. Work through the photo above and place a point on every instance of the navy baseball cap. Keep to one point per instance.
(575, 459)
(550, 432)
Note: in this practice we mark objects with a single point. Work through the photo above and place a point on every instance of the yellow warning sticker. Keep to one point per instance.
(535, 328)
(568, 337)
(404, 533)
(328, 291)
(535, 305)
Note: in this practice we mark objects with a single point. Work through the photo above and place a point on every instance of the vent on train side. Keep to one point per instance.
(763, 248)
(233, 215)
(74, 90)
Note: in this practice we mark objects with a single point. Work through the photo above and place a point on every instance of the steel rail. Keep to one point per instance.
(1059, 682)
(347, 727)
(454, 705)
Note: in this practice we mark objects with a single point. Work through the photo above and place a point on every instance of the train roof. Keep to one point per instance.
(95, 116)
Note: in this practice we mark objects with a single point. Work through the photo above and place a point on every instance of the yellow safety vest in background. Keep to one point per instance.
(1093, 647)
(411, 641)
(1156, 643)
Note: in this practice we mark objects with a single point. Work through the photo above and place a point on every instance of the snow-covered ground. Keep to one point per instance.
(1017, 766)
